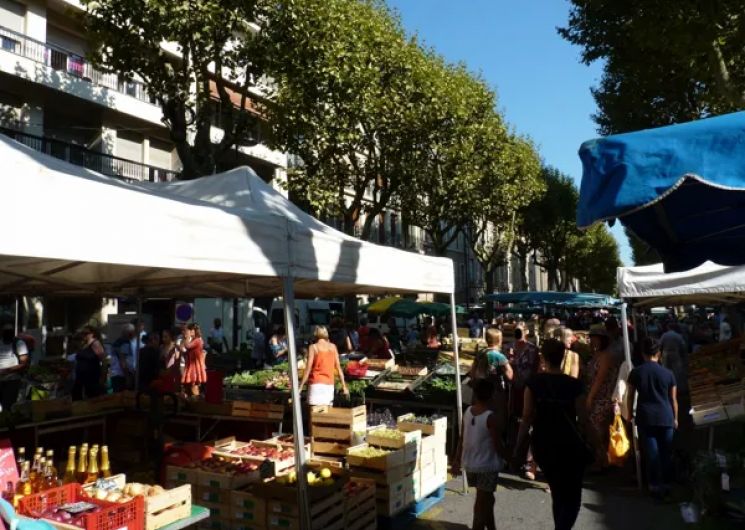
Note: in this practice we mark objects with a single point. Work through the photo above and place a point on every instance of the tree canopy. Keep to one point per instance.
(209, 62)
(664, 62)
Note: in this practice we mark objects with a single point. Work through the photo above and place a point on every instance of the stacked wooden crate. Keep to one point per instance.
(432, 462)
(333, 429)
(360, 505)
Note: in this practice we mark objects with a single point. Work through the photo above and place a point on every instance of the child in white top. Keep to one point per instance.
(478, 453)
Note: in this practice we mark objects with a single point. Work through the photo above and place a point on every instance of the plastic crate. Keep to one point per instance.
(111, 516)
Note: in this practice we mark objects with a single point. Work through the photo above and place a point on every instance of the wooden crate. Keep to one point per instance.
(247, 508)
(325, 514)
(358, 507)
(209, 479)
(386, 477)
(271, 411)
(406, 438)
(384, 462)
(226, 408)
(411, 371)
(160, 510)
(324, 448)
(227, 446)
(176, 475)
(439, 426)
(380, 364)
(325, 415)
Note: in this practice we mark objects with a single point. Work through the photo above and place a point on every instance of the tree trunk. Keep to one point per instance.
(489, 277)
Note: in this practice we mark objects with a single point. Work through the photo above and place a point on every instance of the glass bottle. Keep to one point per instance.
(69, 477)
(105, 464)
(23, 486)
(82, 472)
(50, 477)
(50, 462)
(34, 469)
(9, 492)
(92, 474)
(37, 483)
(20, 459)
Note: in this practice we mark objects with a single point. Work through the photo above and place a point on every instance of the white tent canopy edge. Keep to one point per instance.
(123, 234)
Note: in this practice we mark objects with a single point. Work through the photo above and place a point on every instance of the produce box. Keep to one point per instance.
(108, 516)
(359, 500)
(391, 505)
(410, 442)
(325, 514)
(50, 409)
(226, 408)
(219, 499)
(383, 478)
(161, 509)
(176, 476)
(411, 371)
(367, 457)
(379, 365)
(325, 415)
(428, 426)
(247, 508)
(269, 411)
(222, 480)
(706, 413)
(280, 454)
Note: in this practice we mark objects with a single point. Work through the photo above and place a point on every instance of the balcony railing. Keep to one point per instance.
(81, 156)
(66, 61)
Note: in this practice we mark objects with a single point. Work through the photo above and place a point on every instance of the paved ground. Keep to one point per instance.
(609, 503)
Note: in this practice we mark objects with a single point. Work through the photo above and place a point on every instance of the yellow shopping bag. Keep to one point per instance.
(619, 446)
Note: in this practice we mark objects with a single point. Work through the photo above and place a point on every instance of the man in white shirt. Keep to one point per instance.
(13, 360)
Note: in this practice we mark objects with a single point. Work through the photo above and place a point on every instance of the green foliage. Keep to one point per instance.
(209, 36)
(592, 258)
(550, 224)
(664, 61)
(343, 98)
(641, 253)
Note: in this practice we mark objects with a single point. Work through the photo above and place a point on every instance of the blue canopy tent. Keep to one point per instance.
(679, 188)
(554, 298)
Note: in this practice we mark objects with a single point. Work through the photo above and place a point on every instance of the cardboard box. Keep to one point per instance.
(177, 476)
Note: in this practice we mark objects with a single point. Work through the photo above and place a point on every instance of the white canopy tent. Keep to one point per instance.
(76, 232)
(708, 283)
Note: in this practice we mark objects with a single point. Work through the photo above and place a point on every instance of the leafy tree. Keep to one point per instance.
(665, 61)
(456, 129)
(509, 182)
(550, 225)
(592, 258)
(343, 97)
(211, 38)
(641, 253)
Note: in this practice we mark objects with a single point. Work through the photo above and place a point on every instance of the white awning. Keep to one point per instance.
(74, 231)
(708, 283)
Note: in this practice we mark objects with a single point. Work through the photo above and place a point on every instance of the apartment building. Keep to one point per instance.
(53, 100)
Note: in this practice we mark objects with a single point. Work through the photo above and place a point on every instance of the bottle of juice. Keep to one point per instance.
(92, 474)
(105, 464)
(82, 472)
(23, 486)
(69, 477)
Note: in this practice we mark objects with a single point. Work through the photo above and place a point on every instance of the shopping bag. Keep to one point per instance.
(619, 446)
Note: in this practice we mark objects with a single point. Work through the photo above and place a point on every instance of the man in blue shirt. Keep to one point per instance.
(656, 414)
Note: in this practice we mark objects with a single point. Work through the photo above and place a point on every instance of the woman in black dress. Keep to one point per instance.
(88, 366)
(554, 405)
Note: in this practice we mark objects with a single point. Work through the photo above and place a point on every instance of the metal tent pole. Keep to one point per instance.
(634, 430)
(288, 295)
(458, 390)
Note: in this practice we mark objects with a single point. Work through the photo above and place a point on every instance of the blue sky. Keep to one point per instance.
(544, 90)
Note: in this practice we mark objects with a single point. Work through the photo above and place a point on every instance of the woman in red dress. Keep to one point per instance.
(192, 348)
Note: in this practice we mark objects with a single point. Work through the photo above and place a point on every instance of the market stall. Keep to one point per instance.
(228, 235)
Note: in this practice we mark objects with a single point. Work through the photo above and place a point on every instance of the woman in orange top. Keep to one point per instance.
(192, 349)
(323, 361)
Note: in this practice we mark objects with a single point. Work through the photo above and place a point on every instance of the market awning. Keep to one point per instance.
(553, 298)
(74, 231)
(680, 188)
(707, 284)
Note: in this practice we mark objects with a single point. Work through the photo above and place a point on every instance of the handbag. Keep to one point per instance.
(619, 445)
